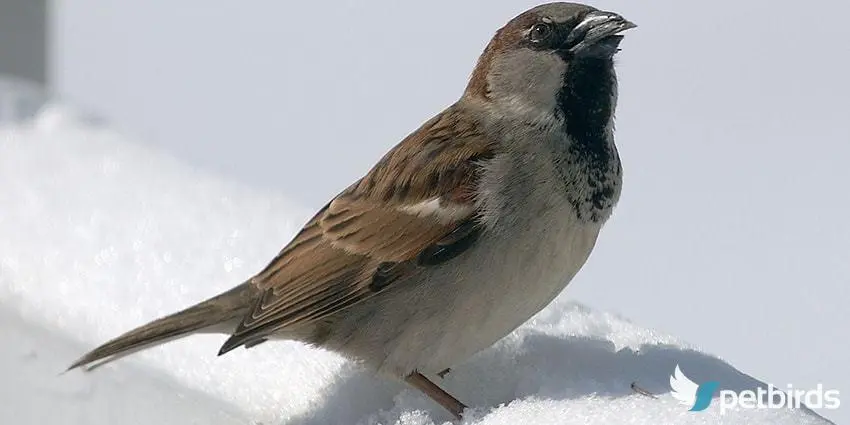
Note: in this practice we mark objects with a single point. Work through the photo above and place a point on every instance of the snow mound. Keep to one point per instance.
(101, 234)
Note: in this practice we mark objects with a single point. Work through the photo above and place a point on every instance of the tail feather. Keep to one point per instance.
(218, 314)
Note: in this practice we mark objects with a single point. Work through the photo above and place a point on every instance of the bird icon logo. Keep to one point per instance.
(689, 393)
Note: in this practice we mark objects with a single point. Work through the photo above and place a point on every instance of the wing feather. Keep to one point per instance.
(414, 202)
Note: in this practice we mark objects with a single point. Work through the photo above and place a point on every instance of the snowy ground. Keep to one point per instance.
(100, 235)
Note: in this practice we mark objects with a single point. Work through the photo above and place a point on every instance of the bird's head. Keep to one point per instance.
(530, 60)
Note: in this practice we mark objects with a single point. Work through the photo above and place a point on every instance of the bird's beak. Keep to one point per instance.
(598, 34)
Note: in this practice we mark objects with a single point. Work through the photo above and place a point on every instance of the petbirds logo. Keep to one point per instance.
(689, 393)
(699, 396)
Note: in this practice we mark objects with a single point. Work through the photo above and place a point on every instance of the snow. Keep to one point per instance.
(101, 235)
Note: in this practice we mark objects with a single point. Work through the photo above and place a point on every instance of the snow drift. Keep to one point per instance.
(101, 234)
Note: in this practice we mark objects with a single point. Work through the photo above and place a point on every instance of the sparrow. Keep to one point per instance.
(460, 233)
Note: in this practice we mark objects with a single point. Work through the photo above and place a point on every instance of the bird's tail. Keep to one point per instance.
(217, 314)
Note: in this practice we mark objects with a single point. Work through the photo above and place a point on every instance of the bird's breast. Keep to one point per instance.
(519, 266)
(533, 245)
(591, 175)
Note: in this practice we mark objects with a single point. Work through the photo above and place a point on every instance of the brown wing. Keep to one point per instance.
(413, 209)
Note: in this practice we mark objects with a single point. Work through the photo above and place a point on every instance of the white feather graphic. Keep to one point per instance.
(683, 389)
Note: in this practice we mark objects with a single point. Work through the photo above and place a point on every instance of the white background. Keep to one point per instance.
(732, 231)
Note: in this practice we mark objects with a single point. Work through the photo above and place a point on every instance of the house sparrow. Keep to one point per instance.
(463, 231)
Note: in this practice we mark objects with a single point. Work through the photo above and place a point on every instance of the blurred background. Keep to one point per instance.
(732, 231)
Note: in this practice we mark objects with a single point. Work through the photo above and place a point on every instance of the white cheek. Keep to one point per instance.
(526, 83)
(519, 106)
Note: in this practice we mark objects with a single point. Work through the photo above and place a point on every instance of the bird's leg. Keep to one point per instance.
(421, 383)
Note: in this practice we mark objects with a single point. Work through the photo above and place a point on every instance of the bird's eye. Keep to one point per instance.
(540, 32)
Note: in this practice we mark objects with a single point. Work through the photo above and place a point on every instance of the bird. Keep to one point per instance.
(463, 231)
